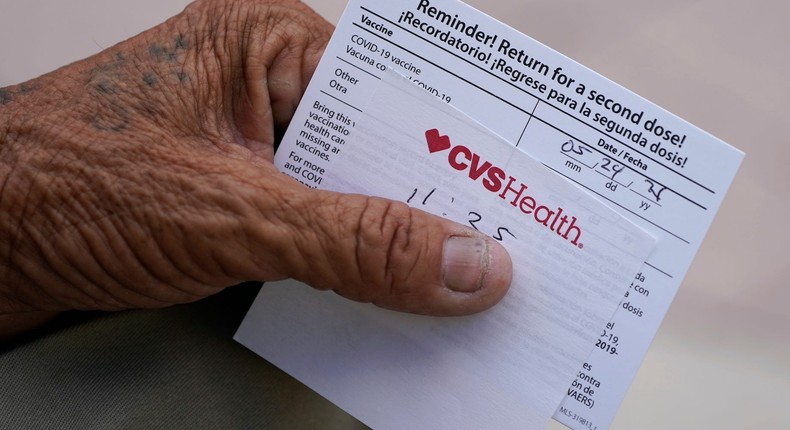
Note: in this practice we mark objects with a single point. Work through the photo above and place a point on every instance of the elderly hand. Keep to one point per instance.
(142, 177)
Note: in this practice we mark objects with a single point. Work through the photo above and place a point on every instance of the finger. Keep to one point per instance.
(383, 252)
(292, 66)
(279, 61)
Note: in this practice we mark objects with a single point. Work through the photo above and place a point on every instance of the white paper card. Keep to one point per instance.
(508, 368)
(662, 173)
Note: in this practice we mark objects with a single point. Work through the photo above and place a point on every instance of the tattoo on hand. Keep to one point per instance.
(115, 119)
(150, 80)
(8, 94)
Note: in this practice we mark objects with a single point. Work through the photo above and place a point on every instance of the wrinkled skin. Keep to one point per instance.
(142, 177)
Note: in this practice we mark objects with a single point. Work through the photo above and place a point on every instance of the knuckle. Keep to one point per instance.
(386, 252)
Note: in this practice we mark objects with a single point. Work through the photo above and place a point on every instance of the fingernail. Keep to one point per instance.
(465, 263)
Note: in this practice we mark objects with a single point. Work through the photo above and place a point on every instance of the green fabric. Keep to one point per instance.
(170, 368)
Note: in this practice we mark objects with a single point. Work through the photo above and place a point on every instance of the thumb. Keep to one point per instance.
(384, 252)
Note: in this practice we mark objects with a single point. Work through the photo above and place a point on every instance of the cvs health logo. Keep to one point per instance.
(508, 188)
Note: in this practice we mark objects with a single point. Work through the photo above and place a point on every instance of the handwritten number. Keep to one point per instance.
(615, 168)
(656, 189)
(572, 147)
(412, 196)
(425, 200)
(501, 230)
(476, 217)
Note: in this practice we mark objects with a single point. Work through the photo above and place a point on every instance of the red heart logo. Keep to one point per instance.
(436, 142)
